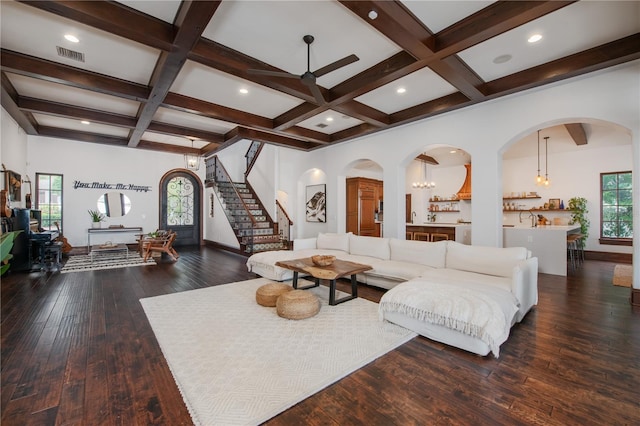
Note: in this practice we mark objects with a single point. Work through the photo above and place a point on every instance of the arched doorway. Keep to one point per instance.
(180, 206)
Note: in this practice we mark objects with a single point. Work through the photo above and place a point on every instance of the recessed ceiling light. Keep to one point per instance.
(534, 38)
(401, 90)
(243, 91)
(502, 59)
(372, 14)
(71, 38)
(87, 122)
(329, 118)
(453, 151)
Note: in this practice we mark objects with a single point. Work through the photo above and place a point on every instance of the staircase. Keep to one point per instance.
(252, 225)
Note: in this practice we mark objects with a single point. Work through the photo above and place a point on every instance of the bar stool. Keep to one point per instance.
(421, 236)
(573, 243)
(439, 237)
(408, 235)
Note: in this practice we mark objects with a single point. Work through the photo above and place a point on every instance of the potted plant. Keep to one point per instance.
(578, 207)
(96, 218)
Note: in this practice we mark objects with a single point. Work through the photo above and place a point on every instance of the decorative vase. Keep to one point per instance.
(96, 225)
(561, 204)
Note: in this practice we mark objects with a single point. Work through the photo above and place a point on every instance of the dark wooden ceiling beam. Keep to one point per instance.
(9, 100)
(42, 69)
(297, 114)
(56, 132)
(307, 135)
(271, 138)
(398, 24)
(191, 20)
(427, 159)
(113, 18)
(175, 149)
(219, 112)
(78, 113)
(577, 133)
(363, 112)
(170, 129)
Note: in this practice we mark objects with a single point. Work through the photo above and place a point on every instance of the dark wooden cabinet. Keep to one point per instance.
(363, 200)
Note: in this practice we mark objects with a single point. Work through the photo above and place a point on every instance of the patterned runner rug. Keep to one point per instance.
(83, 262)
(238, 363)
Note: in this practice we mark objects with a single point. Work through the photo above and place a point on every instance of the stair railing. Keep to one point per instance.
(252, 156)
(284, 224)
(222, 176)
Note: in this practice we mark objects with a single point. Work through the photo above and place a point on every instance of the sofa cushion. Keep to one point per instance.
(398, 270)
(369, 246)
(333, 241)
(494, 261)
(420, 252)
(304, 243)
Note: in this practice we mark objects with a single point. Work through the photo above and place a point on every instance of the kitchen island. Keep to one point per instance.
(459, 232)
(547, 242)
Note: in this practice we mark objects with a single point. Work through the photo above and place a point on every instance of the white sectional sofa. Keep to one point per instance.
(464, 296)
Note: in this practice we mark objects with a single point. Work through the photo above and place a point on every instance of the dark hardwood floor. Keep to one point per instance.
(77, 350)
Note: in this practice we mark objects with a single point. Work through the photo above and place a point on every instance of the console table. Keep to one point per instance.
(131, 229)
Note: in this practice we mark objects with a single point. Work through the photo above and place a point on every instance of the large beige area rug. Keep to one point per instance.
(238, 363)
(623, 275)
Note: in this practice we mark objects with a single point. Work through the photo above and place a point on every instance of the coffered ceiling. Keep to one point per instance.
(157, 74)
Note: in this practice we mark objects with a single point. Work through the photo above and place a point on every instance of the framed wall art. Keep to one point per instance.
(316, 208)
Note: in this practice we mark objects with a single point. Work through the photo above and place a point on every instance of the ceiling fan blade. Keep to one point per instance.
(272, 73)
(335, 65)
(315, 91)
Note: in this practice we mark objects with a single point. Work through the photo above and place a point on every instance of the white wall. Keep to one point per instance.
(13, 153)
(89, 162)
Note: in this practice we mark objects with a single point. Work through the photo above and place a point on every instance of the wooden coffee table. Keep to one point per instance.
(338, 269)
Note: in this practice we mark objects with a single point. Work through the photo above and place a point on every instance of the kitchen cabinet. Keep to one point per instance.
(364, 199)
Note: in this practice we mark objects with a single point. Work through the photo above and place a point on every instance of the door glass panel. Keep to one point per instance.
(180, 198)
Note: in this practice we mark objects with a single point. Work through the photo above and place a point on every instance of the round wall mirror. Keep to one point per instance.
(114, 204)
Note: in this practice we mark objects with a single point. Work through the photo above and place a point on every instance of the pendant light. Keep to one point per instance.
(547, 182)
(191, 160)
(538, 177)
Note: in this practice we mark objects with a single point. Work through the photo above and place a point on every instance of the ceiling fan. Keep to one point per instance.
(309, 78)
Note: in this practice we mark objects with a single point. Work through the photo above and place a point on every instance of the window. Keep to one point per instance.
(49, 199)
(616, 206)
(180, 193)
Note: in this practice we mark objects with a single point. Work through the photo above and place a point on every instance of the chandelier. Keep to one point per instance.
(191, 160)
(426, 183)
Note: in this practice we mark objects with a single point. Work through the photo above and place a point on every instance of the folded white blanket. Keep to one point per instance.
(481, 312)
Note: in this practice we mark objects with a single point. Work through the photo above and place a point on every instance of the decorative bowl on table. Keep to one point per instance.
(322, 259)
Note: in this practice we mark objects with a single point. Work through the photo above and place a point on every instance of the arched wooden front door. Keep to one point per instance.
(180, 206)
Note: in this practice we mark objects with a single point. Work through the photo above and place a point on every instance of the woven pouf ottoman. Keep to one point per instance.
(267, 294)
(297, 304)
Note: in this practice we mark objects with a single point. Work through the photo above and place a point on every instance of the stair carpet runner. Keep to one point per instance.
(264, 236)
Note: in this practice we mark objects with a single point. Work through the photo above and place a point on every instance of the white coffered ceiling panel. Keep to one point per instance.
(66, 123)
(570, 30)
(41, 89)
(37, 33)
(419, 87)
(438, 15)
(329, 122)
(201, 82)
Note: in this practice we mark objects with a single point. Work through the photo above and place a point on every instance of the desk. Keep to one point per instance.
(90, 231)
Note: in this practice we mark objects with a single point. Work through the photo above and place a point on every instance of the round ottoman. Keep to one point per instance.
(267, 294)
(297, 304)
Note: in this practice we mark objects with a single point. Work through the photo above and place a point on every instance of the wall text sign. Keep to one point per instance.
(114, 186)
